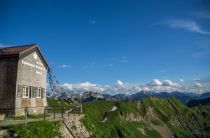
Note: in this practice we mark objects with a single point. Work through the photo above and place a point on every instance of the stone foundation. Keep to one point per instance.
(31, 111)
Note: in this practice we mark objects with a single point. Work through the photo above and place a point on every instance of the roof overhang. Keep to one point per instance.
(32, 48)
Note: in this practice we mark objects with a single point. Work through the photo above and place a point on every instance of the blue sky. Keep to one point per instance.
(101, 41)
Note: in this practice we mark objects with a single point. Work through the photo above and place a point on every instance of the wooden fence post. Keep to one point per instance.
(62, 110)
(26, 115)
(54, 111)
(68, 111)
(81, 108)
(44, 113)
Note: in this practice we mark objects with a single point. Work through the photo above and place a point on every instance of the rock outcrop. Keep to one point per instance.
(72, 127)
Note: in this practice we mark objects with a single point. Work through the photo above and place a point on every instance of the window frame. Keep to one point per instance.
(25, 91)
(39, 92)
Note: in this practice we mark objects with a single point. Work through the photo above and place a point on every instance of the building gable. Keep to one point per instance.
(38, 55)
(21, 52)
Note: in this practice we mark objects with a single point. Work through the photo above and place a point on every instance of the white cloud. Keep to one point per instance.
(82, 87)
(196, 84)
(187, 25)
(67, 85)
(64, 66)
(119, 83)
(145, 88)
(156, 82)
(181, 80)
(87, 84)
(167, 83)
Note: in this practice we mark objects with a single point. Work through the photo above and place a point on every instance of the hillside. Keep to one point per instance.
(197, 102)
(149, 117)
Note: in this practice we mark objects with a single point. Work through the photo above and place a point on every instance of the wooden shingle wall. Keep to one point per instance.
(8, 75)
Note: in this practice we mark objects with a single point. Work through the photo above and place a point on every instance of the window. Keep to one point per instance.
(25, 90)
(39, 93)
(30, 92)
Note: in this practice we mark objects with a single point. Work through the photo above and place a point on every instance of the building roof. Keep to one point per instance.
(20, 51)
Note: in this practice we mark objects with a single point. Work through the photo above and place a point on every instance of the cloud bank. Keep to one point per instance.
(155, 85)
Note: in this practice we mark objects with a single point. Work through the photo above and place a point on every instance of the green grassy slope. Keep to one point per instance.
(134, 119)
(51, 102)
(57, 105)
(37, 130)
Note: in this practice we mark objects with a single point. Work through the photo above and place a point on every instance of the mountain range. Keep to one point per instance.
(184, 97)
(87, 96)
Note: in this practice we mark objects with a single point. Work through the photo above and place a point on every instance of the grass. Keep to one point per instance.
(127, 107)
(180, 133)
(157, 122)
(53, 102)
(114, 126)
(29, 117)
(57, 105)
(37, 130)
(139, 129)
(166, 110)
